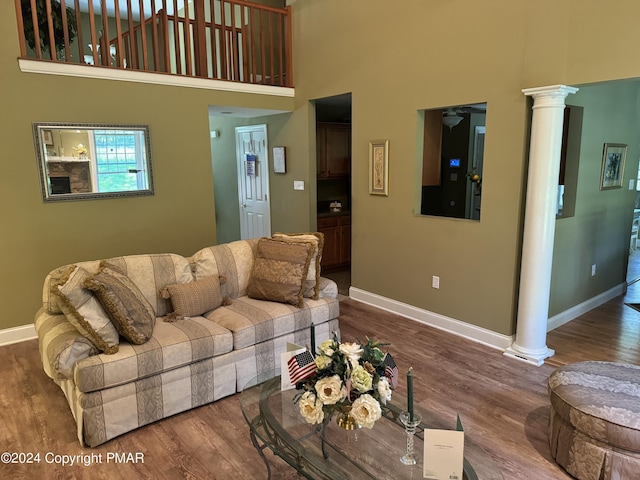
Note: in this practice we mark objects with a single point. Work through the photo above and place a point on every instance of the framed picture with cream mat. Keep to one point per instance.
(379, 167)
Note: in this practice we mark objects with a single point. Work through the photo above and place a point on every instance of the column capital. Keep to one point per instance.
(551, 91)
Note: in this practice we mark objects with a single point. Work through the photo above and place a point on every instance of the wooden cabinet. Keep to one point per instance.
(333, 150)
(337, 240)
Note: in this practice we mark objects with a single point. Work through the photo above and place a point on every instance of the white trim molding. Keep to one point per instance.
(466, 330)
(574, 312)
(17, 334)
(105, 73)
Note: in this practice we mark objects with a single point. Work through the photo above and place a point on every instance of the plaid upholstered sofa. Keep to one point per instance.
(114, 385)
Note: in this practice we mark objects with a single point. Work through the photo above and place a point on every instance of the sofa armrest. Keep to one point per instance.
(328, 288)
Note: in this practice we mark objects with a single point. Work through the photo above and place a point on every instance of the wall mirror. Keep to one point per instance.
(452, 159)
(88, 161)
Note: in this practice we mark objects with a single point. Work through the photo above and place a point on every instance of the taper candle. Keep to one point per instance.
(313, 340)
(410, 393)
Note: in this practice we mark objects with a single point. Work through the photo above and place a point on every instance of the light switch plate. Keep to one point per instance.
(298, 184)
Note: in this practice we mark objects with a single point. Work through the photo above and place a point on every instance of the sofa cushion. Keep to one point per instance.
(234, 260)
(84, 311)
(316, 239)
(128, 309)
(195, 298)
(280, 271)
(151, 273)
(254, 321)
(173, 345)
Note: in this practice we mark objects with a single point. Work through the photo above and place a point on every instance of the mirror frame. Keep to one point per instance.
(40, 141)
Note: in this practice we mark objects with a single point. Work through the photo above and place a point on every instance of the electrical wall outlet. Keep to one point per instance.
(435, 281)
(593, 270)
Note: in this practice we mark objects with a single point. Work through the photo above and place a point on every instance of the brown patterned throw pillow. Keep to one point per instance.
(280, 271)
(312, 287)
(195, 298)
(127, 307)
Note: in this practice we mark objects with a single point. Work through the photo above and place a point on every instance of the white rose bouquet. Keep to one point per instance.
(349, 378)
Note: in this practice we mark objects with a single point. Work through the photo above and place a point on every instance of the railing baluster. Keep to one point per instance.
(214, 43)
(52, 38)
(223, 41)
(187, 39)
(271, 56)
(104, 37)
(176, 39)
(263, 71)
(154, 36)
(65, 31)
(94, 35)
(254, 67)
(133, 44)
(234, 45)
(143, 37)
(76, 6)
(118, 40)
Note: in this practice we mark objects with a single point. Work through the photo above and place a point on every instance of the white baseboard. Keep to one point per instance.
(451, 325)
(582, 308)
(17, 334)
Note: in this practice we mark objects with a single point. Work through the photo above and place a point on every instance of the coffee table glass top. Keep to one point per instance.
(275, 420)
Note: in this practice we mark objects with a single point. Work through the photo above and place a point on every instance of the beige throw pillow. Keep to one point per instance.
(312, 286)
(84, 311)
(126, 306)
(195, 298)
(280, 271)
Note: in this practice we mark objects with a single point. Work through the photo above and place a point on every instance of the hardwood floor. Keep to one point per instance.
(502, 402)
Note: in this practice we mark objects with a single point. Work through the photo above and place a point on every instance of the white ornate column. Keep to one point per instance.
(530, 344)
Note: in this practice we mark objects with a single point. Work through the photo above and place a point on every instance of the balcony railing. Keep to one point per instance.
(233, 40)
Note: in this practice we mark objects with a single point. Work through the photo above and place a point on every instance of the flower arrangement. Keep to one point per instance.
(81, 149)
(349, 378)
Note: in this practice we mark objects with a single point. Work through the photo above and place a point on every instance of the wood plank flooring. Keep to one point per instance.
(503, 403)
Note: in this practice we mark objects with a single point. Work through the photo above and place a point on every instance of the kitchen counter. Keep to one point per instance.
(334, 214)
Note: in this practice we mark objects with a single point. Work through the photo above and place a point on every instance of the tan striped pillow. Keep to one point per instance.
(84, 311)
(195, 298)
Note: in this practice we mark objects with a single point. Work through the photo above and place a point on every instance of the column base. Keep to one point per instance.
(536, 359)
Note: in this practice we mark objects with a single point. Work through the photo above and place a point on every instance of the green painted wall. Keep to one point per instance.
(599, 231)
(37, 237)
(399, 58)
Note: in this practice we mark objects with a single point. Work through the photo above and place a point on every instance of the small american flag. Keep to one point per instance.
(390, 369)
(301, 367)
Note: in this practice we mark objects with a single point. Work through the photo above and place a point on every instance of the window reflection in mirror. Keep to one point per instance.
(453, 155)
(88, 161)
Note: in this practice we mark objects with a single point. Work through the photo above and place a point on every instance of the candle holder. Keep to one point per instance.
(410, 429)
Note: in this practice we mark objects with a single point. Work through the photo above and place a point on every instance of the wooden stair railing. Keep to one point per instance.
(234, 40)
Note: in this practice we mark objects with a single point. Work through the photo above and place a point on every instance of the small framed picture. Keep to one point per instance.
(47, 136)
(279, 160)
(379, 167)
(613, 159)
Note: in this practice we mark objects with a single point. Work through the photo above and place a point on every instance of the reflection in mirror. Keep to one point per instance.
(87, 161)
(452, 161)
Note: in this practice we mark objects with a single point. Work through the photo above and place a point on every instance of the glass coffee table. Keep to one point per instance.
(334, 453)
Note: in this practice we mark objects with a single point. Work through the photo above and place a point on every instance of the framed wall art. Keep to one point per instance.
(47, 136)
(379, 167)
(613, 159)
(279, 160)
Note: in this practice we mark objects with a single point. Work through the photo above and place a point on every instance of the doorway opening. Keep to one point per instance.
(333, 157)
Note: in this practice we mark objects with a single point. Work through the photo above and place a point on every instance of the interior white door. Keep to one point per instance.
(253, 181)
